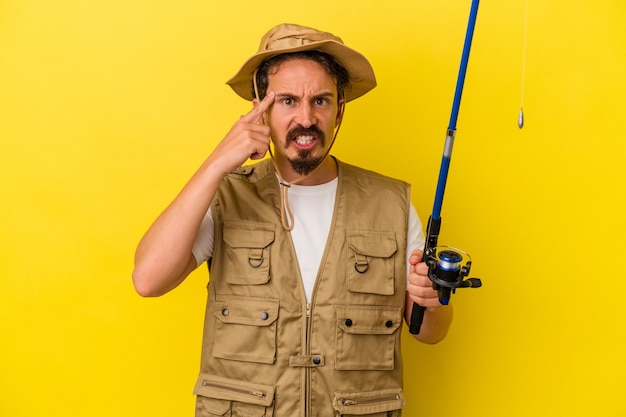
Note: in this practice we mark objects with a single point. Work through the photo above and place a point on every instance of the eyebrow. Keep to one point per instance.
(327, 94)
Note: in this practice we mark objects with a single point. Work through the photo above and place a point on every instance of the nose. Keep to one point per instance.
(306, 115)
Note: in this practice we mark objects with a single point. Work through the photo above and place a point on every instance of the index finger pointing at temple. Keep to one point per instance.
(257, 112)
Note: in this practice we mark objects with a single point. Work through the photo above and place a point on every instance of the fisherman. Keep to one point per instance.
(314, 263)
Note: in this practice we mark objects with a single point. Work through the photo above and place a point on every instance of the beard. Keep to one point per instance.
(304, 163)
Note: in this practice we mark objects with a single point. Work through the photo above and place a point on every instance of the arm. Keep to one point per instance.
(164, 255)
(437, 318)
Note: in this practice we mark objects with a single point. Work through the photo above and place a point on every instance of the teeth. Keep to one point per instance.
(304, 140)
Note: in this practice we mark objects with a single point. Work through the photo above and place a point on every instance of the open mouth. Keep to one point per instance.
(305, 138)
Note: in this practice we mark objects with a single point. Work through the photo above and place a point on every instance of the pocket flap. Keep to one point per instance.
(215, 406)
(371, 243)
(246, 310)
(369, 319)
(369, 402)
(247, 235)
(212, 386)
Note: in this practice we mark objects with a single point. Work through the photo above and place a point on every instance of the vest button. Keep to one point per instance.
(348, 322)
(389, 323)
(317, 360)
(264, 315)
(225, 312)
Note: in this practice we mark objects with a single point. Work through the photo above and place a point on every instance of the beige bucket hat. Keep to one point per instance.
(288, 37)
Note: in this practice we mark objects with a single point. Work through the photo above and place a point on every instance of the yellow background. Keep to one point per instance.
(107, 107)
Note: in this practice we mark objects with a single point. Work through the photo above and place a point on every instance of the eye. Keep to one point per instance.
(320, 101)
(287, 101)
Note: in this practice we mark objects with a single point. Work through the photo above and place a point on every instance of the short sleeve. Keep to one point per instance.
(415, 238)
(203, 246)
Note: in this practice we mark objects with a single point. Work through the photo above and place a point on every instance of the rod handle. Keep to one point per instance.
(417, 317)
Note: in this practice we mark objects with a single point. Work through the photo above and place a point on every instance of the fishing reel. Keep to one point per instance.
(447, 269)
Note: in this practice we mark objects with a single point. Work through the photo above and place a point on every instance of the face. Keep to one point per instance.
(303, 117)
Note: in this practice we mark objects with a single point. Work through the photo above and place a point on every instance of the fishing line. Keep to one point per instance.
(520, 116)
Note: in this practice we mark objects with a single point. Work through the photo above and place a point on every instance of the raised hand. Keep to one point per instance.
(249, 137)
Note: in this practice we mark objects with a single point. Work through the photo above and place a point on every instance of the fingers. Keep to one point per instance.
(247, 138)
(257, 155)
(256, 114)
(422, 292)
(419, 276)
(419, 286)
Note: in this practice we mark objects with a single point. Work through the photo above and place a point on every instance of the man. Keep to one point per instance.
(308, 256)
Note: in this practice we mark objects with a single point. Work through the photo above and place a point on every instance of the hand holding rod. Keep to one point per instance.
(434, 222)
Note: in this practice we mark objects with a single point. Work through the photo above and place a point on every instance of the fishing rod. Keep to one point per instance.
(447, 266)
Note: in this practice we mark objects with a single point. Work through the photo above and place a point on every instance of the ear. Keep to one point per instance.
(263, 120)
(340, 110)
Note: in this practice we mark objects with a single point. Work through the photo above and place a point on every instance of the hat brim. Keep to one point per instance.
(360, 71)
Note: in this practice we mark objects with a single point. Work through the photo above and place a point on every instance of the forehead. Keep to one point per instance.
(299, 74)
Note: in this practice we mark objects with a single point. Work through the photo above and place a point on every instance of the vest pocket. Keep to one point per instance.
(381, 403)
(248, 253)
(218, 396)
(371, 266)
(366, 337)
(245, 328)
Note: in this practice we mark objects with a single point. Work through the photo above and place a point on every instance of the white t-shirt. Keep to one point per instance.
(312, 208)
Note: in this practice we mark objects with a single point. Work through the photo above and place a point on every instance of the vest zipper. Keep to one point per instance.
(245, 391)
(370, 400)
(307, 371)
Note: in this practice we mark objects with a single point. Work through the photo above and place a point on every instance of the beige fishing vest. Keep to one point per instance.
(266, 352)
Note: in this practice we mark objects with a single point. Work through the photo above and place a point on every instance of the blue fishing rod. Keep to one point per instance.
(447, 266)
